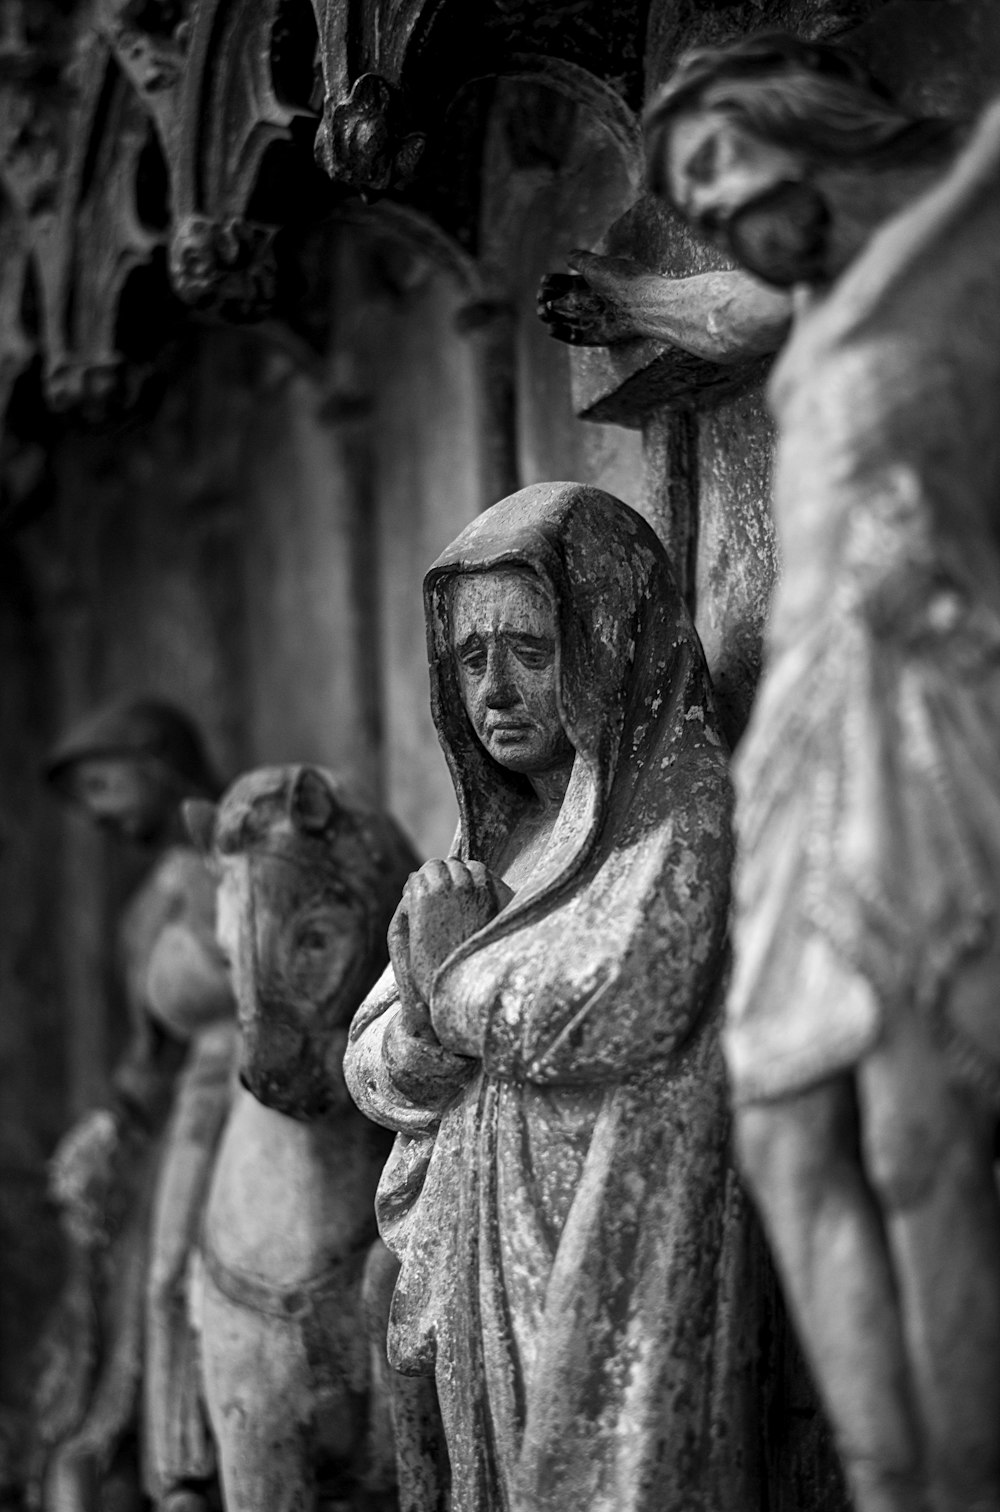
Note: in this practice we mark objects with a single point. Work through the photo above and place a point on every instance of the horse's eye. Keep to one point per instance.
(313, 940)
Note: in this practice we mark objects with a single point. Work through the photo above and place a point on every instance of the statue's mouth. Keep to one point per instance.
(509, 729)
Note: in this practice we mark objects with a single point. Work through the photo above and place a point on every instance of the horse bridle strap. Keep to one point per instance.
(306, 855)
(277, 1301)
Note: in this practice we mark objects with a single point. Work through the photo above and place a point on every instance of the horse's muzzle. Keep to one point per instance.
(284, 1071)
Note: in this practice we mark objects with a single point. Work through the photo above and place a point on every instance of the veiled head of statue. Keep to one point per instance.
(556, 635)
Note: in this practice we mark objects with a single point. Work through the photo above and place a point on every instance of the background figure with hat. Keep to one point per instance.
(116, 1414)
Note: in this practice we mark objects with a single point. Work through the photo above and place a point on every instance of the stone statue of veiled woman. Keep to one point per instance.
(545, 1043)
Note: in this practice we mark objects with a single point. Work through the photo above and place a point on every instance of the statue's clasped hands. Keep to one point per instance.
(443, 904)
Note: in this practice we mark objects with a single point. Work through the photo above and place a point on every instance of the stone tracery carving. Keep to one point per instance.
(362, 140)
(204, 78)
(109, 243)
(225, 266)
(200, 84)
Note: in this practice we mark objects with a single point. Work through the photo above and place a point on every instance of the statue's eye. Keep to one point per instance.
(473, 656)
(532, 653)
(313, 939)
(702, 165)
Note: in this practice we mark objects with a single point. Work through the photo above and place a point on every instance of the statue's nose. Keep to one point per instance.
(499, 689)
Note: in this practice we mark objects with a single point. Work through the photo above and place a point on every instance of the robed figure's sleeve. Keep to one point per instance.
(398, 1080)
(599, 985)
(616, 977)
(611, 981)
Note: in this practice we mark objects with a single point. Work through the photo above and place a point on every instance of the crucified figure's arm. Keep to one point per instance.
(723, 317)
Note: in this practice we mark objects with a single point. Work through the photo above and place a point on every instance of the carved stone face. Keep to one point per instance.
(308, 878)
(291, 945)
(123, 794)
(504, 641)
(715, 166)
(748, 195)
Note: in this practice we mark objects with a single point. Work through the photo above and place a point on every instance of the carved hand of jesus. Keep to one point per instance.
(443, 904)
(726, 316)
(594, 305)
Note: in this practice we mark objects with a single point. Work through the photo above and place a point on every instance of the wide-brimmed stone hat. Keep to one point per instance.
(149, 728)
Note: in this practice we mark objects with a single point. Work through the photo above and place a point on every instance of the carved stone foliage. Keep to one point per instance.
(362, 140)
(143, 139)
(228, 114)
(224, 265)
(396, 73)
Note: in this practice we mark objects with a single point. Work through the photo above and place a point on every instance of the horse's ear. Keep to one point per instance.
(312, 805)
(199, 821)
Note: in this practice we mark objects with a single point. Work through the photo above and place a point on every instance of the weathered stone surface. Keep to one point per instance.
(209, 548)
(658, 326)
(707, 489)
(863, 1038)
(309, 879)
(573, 1244)
(556, 168)
(737, 557)
(645, 366)
(129, 1178)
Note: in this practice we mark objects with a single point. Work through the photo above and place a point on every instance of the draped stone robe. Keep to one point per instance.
(571, 1238)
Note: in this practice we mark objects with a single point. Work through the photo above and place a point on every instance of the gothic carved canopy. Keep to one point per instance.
(157, 155)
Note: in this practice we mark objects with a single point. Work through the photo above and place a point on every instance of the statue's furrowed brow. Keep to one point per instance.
(523, 638)
(701, 166)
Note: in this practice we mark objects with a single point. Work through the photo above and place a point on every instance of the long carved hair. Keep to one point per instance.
(812, 97)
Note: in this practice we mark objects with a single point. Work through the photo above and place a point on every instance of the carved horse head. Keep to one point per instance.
(309, 878)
